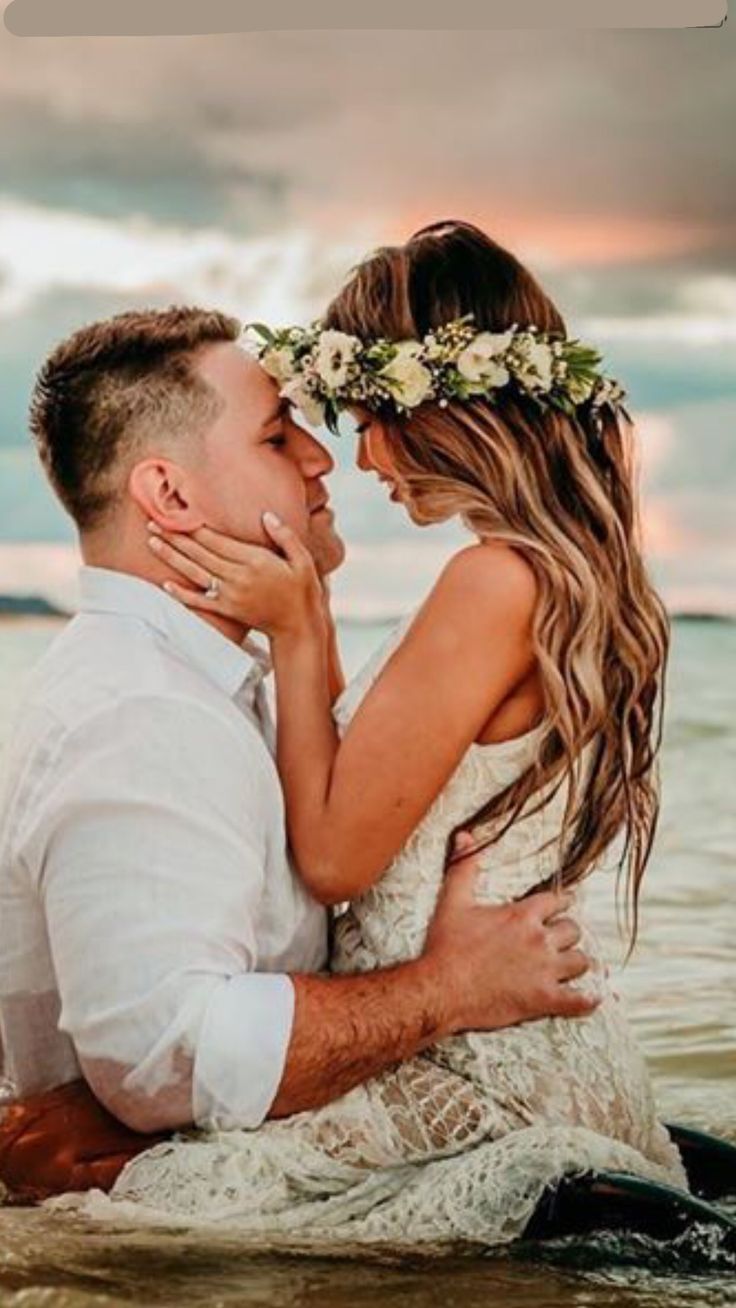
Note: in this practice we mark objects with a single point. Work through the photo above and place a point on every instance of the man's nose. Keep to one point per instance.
(313, 458)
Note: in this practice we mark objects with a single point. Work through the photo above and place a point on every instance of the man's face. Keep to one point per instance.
(257, 458)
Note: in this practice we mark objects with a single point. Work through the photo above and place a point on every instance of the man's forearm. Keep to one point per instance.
(349, 1028)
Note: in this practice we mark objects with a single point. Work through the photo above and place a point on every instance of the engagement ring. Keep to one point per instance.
(213, 590)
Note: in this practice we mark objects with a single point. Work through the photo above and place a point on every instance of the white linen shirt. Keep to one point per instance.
(148, 910)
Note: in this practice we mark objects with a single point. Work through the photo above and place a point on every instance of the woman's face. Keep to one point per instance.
(374, 455)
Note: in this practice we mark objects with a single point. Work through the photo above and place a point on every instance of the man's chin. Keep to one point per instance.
(325, 544)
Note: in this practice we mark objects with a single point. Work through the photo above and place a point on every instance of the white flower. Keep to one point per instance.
(481, 360)
(537, 370)
(407, 350)
(608, 391)
(279, 363)
(411, 382)
(302, 398)
(335, 352)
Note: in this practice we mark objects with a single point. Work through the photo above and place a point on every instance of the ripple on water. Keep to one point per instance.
(79, 1268)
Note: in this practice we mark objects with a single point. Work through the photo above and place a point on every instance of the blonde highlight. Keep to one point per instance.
(561, 491)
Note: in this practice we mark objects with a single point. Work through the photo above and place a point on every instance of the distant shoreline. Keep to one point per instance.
(14, 607)
(29, 606)
(703, 617)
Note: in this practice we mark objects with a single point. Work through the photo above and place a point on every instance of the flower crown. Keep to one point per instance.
(323, 371)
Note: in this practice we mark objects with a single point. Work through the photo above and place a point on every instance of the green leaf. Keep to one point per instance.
(262, 330)
(332, 417)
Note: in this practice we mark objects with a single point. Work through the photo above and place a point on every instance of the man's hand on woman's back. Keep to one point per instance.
(498, 965)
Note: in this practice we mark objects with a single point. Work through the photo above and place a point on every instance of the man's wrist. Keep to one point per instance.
(436, 1014)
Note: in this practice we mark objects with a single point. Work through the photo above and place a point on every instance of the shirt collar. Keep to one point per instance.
(226, 664)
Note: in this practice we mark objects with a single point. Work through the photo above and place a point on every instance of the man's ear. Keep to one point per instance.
(163, 492)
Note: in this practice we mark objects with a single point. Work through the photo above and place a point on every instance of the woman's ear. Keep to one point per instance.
(164, 494)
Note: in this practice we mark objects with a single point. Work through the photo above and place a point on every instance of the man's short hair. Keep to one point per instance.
(112, 384)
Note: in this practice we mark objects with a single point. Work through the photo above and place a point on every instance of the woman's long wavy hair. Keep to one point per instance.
(560, 490)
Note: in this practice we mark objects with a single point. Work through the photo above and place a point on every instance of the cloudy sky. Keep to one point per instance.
(583, 145)
(250, 171)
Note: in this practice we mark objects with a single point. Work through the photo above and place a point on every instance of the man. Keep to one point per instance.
(154, 939)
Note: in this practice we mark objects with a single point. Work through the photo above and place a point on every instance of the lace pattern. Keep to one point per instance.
(459, 1143)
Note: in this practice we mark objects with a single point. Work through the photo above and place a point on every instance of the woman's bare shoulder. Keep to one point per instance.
(496, 580)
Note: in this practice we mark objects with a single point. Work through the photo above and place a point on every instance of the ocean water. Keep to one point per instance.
(680, 987)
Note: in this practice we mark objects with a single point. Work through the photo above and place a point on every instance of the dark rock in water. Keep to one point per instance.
(21, 606)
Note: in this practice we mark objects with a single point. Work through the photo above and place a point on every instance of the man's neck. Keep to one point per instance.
(132, 564)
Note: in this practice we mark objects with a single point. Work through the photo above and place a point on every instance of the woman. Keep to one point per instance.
(520, 703)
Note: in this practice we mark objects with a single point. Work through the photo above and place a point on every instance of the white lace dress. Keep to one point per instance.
(457, 1144)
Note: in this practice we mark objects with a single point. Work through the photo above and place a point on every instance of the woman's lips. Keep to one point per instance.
(392, 489)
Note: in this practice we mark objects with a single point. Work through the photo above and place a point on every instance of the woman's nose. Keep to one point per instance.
(362, 458)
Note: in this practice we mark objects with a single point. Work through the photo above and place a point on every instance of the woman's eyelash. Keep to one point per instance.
(276, 440)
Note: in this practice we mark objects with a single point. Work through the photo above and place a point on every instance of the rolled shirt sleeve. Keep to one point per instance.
(152, 886)
(230, 1090)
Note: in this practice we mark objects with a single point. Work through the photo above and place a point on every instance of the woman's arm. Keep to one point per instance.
(335, 674)
(352, 805)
